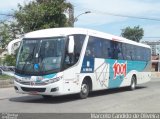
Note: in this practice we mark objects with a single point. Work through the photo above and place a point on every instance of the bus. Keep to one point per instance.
(61, 61)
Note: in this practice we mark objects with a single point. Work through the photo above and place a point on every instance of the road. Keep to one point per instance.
(146, 98)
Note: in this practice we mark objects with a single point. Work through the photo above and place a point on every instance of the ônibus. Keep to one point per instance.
(61, 61)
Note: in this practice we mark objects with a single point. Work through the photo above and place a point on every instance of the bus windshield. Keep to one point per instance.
(40, 56)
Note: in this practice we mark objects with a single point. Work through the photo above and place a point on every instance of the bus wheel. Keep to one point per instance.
(133, 83)
(84, 90)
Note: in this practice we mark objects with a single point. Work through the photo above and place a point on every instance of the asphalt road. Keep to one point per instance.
(146, 98)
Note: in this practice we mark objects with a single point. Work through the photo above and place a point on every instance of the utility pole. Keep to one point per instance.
(71, 16)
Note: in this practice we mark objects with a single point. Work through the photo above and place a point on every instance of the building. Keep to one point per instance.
(155, 46)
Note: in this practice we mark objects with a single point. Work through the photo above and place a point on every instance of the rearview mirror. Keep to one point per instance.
(71, 45)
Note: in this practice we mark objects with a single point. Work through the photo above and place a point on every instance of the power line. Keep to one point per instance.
(152, 37)
(126, 16)
(8, 15)
(107, 13)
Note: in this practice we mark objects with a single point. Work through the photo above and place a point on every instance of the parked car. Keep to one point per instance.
(7, 70)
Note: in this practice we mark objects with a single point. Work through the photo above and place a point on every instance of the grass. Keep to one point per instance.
(5, 77)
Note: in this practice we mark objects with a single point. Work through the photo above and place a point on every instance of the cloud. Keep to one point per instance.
(8, 5)
(100, 8)
(152, 30)
(133, 7)
(99, 19)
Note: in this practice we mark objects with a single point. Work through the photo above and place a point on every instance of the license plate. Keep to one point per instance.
(34, 93)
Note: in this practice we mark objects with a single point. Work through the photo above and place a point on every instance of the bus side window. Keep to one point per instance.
(119, 49)
(128, 52)
(115, 49)
(79, 40)
(90, 51)
(71, 59)
(98, 48)
(95, 47)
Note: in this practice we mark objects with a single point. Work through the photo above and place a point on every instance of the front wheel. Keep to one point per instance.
(84, 90)
(133, 83)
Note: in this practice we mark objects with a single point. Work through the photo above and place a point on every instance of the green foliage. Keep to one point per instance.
(1, 61)
(9, 60)
(4, 33)
(37, 14)
(8, 32)
(41, 14)
(135, 34)
(5, 77)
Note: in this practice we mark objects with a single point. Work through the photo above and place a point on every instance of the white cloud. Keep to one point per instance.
(99, 8)
(144, 8)
(8, 5)
(152, 30)
(133, 7)
(99, 19)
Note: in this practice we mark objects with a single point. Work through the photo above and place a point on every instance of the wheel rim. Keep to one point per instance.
(133, 83)
(84, 89)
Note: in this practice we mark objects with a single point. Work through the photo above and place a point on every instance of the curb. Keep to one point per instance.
(155, 75)
(6, 83)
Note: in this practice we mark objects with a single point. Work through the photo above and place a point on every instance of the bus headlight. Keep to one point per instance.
(53, 80)
(17, 79)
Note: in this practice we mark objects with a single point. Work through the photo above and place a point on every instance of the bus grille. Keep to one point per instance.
(33, 89)
(35, 83)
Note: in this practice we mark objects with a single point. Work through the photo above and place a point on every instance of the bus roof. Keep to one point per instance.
(52, 32)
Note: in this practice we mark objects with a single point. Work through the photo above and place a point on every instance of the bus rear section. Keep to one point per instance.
(114, 64)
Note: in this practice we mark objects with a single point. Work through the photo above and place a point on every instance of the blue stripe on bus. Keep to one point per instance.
(131, 65)
(20, 75)
(49, 76)
(88, 65)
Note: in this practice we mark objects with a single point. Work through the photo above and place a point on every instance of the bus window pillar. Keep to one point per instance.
(158, 63)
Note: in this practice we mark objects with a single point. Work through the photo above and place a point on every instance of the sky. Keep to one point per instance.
(100, 20)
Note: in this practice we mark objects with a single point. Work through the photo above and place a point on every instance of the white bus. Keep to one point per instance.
(61, 61)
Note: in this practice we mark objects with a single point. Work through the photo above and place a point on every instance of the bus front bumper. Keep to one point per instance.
(54, 89)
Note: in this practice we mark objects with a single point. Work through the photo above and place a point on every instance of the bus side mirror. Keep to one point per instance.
(71, 45)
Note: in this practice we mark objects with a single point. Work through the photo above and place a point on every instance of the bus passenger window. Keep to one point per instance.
(71, 59)
(109, 53)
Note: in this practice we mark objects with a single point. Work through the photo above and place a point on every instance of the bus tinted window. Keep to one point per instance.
(79, 39)
(71, 59)
(94, 47)
(103, 48)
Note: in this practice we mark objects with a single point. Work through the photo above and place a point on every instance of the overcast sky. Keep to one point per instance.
(99, 19)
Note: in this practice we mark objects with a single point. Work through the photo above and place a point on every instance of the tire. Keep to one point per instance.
(84, 90)
(133, 83)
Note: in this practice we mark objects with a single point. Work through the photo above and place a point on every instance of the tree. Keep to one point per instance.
(8, 32)
(41, 14)
(135, 34)
(9, 60)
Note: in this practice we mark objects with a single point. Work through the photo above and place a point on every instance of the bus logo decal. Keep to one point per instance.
(119, 69)
(32, 83)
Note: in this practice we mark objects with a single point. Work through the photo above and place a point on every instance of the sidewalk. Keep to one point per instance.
(6, 83)
(155, 74)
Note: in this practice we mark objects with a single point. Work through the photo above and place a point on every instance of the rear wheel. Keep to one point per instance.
(133, 83)
(84, 90)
